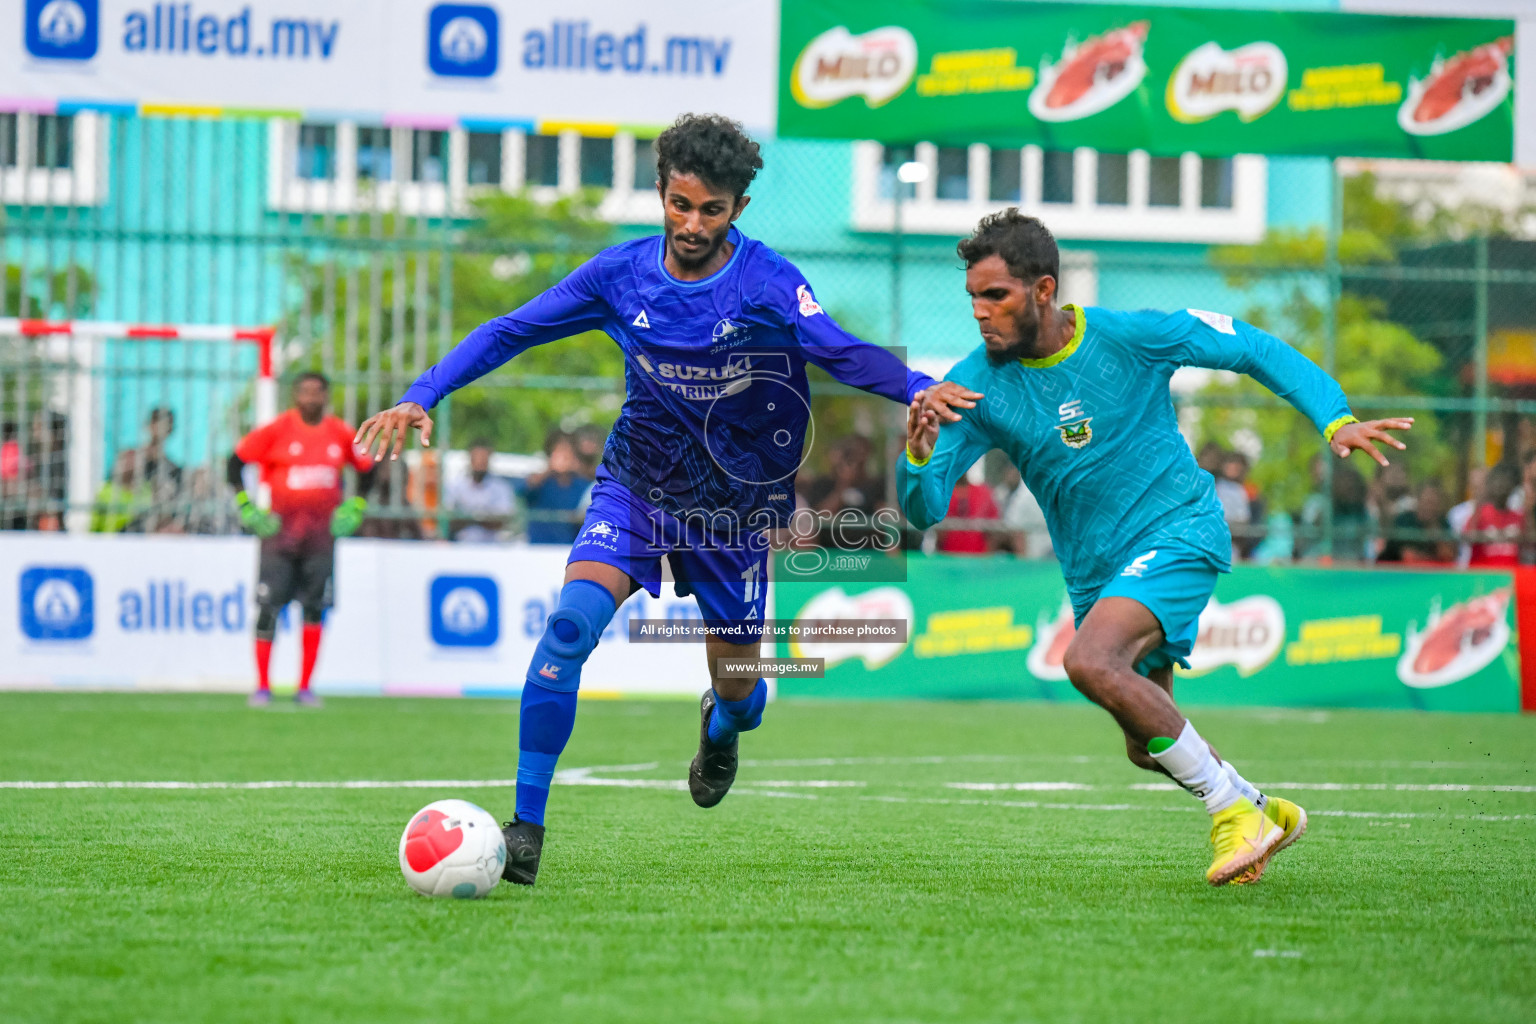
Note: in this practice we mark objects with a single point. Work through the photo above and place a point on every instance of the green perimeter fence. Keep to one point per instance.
(372, 249)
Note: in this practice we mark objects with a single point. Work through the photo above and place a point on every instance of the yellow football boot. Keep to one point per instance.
(1292, 819)
(1243, 837)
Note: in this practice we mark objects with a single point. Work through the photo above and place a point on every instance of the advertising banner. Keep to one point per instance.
(178, 613)
(1162, 79)
(1284, 636)
(415, 62)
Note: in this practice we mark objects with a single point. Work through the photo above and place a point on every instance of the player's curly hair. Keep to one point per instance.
(1024, 243)
(714, 148)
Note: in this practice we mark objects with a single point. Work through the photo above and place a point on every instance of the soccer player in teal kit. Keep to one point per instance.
(1078, 398)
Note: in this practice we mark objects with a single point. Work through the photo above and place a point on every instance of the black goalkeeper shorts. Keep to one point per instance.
(303, 573)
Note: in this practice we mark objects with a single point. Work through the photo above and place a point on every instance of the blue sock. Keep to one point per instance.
(544, 726)
(548, 709)
(732, 717)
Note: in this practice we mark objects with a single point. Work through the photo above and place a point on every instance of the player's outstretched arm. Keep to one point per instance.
(936, 456)
(1358, 436)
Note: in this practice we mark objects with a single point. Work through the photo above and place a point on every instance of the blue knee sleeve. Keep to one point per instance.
(731, 717)
(584, 612)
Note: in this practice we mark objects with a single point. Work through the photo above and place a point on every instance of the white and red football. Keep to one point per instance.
(452, 848)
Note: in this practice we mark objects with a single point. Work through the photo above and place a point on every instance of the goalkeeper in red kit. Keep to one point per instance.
(301, 455)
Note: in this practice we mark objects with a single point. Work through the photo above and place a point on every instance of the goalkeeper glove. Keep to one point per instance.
(348, 517)
(258, 520)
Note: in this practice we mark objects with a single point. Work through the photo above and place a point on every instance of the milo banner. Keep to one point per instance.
(1300, 637)
(1165, 80)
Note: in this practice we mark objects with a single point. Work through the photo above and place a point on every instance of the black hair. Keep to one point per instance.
(162, 412)
(325, 381)
(1025, 244)
(713, 148)
(481, 442)
(1506, 474)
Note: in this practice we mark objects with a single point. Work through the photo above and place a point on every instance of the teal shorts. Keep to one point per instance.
(1175, 583)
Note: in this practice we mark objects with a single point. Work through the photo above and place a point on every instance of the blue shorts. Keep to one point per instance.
(1172, 581)
(722, 565)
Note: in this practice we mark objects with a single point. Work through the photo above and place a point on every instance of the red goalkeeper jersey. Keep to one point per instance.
(302, 465)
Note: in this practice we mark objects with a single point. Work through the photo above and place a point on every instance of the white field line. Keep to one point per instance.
(1186, 808)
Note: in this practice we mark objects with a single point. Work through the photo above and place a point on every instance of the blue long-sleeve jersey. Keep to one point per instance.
(1093, 432)
(717, 399)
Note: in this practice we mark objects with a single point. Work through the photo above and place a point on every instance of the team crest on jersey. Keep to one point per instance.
(1077, 435)
(727, 334)
(602, 533)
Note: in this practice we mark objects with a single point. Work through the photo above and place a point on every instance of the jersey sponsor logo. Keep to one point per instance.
(1219, 321)
(1138, 565)
(312, 478)
(735, 375)
(334, 451)
(640, 321)
(295, 448)
(1071, 410)
(1078, 434)
(808, 306)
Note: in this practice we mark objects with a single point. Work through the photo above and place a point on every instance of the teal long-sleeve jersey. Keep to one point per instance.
(1093, 432)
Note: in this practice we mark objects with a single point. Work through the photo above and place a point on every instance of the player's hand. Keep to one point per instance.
(1352, 436)
(348, 517)
(945, 397)
(922, 430)
(392, 425)
(259, 521)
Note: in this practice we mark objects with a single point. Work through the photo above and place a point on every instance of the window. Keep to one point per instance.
(1114, 180)
(1163, 181)
(645, 165)
(1081, 194)
(54, 136)
(52, 158)
(541, 160)
(429, 157)
(1056, 176)
(892, 158)
(1216, 182)
(8, 140)
(315, 155)
(375, 161)
(596, 163)
(347, 167)
(483, 153)
(954, 178)
(1005, 175)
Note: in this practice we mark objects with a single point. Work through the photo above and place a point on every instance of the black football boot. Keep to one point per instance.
(714, 766)
(525, 841)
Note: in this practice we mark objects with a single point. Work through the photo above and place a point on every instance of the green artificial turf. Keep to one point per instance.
(893, 897)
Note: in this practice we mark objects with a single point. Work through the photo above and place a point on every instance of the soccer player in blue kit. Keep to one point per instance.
(716, 330)
(1078, 399)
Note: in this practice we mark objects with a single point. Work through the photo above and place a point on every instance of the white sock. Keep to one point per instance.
(1194, 767)
(1245, 787)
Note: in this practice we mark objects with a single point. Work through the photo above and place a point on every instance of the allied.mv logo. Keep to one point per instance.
(57, 603)
(62, 29)
(463, 40)
(465, 611)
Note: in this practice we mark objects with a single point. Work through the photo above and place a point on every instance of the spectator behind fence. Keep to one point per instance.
(588, 440)
(389, 517)
(848, 484)
(1462, 511)
(972, 499)
(556, 496)
(1232, 492)
(1351, 518)
(1427, 516)
(156, 466)
(123, 498)
(1031, 538)
(480, 503)
(1498, 524)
